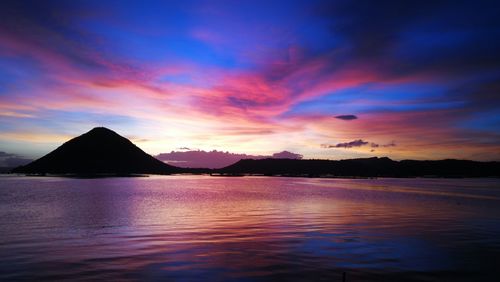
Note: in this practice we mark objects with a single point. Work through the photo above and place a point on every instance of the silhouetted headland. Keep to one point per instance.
(366, 167)
(99, 151)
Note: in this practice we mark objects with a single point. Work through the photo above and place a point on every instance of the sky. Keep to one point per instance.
(324, 79)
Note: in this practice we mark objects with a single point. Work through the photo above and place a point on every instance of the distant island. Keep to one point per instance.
(103, 151)
(365, 167)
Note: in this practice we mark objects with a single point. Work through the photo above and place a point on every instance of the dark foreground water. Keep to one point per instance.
(200, 228)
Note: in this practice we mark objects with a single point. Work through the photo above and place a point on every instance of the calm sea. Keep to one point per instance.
(201, 228)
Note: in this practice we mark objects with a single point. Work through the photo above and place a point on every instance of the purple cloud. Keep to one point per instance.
(287, 155)
(375, 145)
(355, 143)
(358, 143)
(347, 117)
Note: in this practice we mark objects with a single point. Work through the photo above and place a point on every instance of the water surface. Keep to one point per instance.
(191, 228)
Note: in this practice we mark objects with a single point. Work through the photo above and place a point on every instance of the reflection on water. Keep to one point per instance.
(187, 228)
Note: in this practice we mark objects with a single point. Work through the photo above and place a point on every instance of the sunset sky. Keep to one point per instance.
(325, 79)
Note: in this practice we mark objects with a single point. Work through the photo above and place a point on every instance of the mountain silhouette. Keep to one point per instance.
(365, 167)
(99, 151)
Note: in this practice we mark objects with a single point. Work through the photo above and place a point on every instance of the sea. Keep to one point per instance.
(205, 228)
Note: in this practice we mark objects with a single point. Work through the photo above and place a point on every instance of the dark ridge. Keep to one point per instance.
(99, 151)
(368, 167)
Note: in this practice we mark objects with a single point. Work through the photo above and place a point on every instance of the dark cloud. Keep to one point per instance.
(376, 29)
(358, 143)
(375, 145)
(371, 27)
(446, 40)
(355, 143)
(347, 117)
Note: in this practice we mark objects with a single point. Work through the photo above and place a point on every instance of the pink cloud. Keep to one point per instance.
(214, 158)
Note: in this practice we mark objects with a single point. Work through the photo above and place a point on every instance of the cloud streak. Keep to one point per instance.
(351, 144)
(347, 117)
(358, 143)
